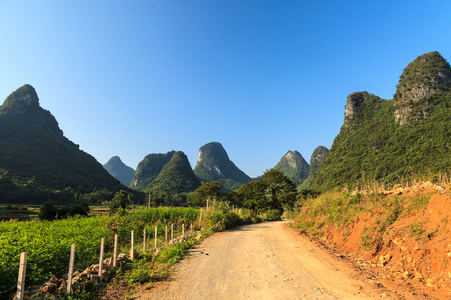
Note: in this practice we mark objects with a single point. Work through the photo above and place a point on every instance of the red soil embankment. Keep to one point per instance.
(413, 252)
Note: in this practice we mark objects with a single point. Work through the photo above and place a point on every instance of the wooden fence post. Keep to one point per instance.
(156, 233)
(102, 246)
(191, 227)
(172, 232)
(200, 218)
(71, 268)
(115, 251)
(183, 229)
(144, 241)
(21, 279)
(166, 233)
(132, 250)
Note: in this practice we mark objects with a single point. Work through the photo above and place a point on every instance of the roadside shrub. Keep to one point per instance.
(224, 220)
(273, 215)
(48, 211)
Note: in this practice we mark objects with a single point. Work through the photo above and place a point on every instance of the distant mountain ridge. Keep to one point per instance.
(36, 161)
(119, 170)
(294, 166)
(393, 140)
(213, 164)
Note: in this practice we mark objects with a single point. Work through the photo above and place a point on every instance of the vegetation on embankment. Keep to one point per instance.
(401, 234)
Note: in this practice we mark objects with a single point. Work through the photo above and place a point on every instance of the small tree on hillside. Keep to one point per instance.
(120, 200)
(208, 190)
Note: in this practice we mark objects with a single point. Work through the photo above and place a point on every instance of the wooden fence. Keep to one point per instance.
(23, 258)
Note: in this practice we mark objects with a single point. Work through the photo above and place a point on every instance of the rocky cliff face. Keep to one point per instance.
(213, 164)
(294, 166)
(427, 74)
(119, 170)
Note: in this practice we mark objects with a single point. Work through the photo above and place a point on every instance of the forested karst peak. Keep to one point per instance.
(389, 140)
(213, 164)
(119, 170)
(25, 95)
(291, 158)
(294, 166)
(21, 111)
(149, 168)
(317, 159)
(427, 74)
(360, 106)
(212, 150)
(115, 159)
(175, 177)
(37, 162)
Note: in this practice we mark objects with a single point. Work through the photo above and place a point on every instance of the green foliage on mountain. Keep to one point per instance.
(373, 145)
(119, 170)
(37, 163)
(428, 70)
(213, 164)
(176, 177)
(429, 73)
(294, 166)
(149, 168)
(316, 160)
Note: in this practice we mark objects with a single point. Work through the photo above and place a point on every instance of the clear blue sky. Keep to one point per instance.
(130, 78)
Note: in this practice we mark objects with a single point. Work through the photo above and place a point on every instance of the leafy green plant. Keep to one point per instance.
(140, 271)
(173, 254)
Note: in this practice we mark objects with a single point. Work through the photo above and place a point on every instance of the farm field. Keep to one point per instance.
(48, 243)
(21, 213)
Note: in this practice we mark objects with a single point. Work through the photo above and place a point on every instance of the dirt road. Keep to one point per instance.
(262, 261)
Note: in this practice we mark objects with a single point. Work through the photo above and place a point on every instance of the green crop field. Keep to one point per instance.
(48, 243)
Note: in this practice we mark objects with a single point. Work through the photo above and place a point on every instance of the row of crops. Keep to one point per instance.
(48, 243)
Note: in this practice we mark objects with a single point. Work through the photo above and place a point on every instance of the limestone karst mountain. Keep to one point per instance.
(119, 170)
(294, 166)
(176, 177)
(428, 74)
(316, 160)
(213, 164)
(393, 140)
(149, 168)
(37, 162)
